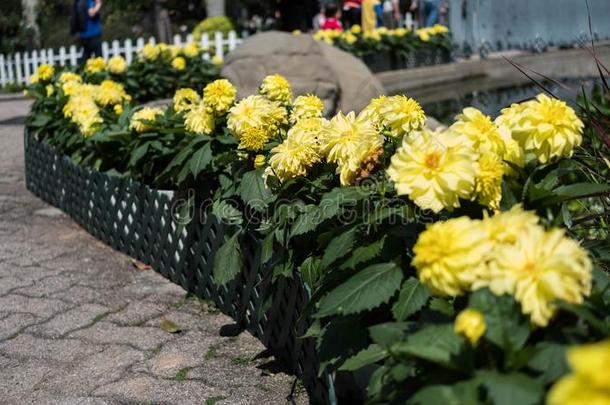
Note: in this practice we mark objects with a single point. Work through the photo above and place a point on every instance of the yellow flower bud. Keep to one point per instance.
(259, 161)
(470, 324)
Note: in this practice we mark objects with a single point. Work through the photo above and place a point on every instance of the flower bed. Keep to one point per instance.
(156, 73)
(383, 49)
(461, 263)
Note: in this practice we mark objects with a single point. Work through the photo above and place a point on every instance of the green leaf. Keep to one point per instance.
(370, 355)
(366, 290)
(307, 221)
(338, 247)
(511, 389)
(435, 343)
(169, 326)
(267, 248)
(386, 334)
(138, 153)
(463, 393)
(413, 296)
(252, 189)
(343, 337)
(228, 261)
(550, 361)
(442, 305)
(364, 254)
(575, 191)
(311, 271)
(507, 327)
(284, 270)
(225, 212)
(201, 159)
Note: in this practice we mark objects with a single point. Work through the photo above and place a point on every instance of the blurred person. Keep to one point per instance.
(318, 20)
(86, 21)
(332, 20)
(352, 12)
(430, 10)
(406, 13)
(369, 15)
(390, 15)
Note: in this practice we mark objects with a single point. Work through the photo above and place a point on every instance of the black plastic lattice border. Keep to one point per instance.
(386, 61)
(137, 220)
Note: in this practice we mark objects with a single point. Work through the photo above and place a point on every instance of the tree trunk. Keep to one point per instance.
(215, 8)
(163, 24)
(29, 15)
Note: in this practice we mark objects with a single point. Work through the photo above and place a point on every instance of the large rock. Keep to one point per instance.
(342, 81)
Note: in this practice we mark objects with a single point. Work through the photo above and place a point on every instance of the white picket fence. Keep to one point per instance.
(17, 68)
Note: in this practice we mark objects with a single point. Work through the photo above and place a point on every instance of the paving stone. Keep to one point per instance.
(42, 307)
(143, 338)
(15, 323)
(9, 283)
(145, 389)
(136, 313)
(101, 368)
(77, 318)
(27, 346)
(55, 278)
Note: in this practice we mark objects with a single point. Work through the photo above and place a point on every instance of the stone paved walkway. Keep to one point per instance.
(80, 324)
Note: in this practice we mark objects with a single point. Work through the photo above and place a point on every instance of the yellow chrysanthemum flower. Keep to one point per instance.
(276, 88)
(66, 77)
(50, 90)
(435, 169)
(299, 152)
(538, 269)
(350, 38)
(191, 50)
(254, 139)
(450, 255)
(248, 113)
(356, 29)
(220, 96)
(515, 155)
(34, 78)
(140, 119)
(117, 65)
(304, 107)
(185, 99)
(174, 51)
(488, 185)
(423, 34)
(199, 120)
(217, 60)
(373, 111)
(511, 116)
(45, 72)
(589, 382)
(470, 323)
(374, 36)
(95, 65)
(481, 130)
(82, 109)
(506, 227)
(110, 93)
(150, 52)
(340, 137)
(179, 63)
(401, 115)
(549, 128)
(118, 109)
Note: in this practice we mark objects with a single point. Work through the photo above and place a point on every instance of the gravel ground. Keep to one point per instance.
(81, 324)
